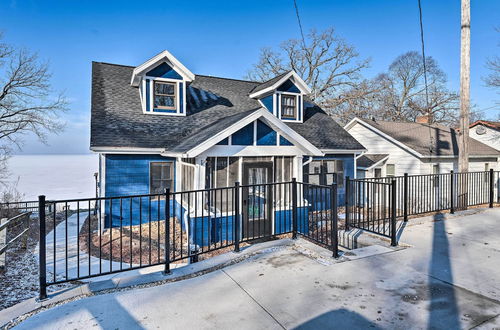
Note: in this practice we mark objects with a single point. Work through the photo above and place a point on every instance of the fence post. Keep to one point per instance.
(452, 195)
(237, 231)
(25, 238)
(405, 197)
(42, 271)
(347, 193)
(394, 240)
(492, 186)
(3, 242)
(167, 231)
(334, 218)
(294, 208)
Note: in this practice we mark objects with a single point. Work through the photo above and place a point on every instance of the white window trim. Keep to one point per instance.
(300, 109)
(172, 169)
(177, 98)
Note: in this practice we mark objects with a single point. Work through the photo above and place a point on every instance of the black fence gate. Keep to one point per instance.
(371, 206)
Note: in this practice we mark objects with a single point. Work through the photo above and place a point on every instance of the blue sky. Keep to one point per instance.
(223, 38)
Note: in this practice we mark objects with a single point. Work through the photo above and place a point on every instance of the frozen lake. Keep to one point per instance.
(55, 176)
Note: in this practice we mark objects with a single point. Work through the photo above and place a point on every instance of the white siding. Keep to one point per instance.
(490, 138)
(405, 161)
(375, 144)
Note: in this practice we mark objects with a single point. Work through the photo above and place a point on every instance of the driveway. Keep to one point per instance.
(448, 279)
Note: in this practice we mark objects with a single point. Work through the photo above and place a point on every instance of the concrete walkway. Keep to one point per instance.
(448, 279)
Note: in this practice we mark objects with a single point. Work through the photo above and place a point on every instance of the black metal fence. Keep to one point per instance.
(370, 206)
(100, 236)
(12, 208)
(373, 204)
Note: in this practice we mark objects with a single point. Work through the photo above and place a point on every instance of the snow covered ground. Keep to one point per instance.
(55, 176)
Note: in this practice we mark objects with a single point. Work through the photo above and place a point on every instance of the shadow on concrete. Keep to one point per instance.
(401, 228)
(443, 302)
(112, 315)
(338, 319)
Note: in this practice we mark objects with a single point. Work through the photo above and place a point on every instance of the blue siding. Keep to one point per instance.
(129, 175)
(285, 142)
(299, 111)
(348, 171)
(268, 102)
(266, 136)
(283, 220)
(244, 137)
(164, 71)
(288, 86)
(181, 97)
(148, 95)
(224, 142)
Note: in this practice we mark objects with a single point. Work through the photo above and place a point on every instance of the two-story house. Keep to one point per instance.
(157, 125)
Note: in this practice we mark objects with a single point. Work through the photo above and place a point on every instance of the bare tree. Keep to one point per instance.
(326, 62)
(403, 96)
(493, 78)
(27, 103)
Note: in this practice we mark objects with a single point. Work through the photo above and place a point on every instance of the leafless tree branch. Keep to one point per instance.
(27, 102)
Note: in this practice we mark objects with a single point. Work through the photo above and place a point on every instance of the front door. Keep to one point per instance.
(257, 199)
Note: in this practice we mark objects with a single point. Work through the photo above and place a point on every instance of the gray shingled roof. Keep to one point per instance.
(430, 139)
(269, 83)
(213, 103)
(367, 160)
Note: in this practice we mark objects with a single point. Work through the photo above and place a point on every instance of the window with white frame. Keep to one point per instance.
(160, 177)
(390, 170)
(288, 106)
(435, 170)
(165, 95)
(325, 172)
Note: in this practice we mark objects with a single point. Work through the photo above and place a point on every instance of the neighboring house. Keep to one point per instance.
(487, 132)
(158, 125)
(395, 148)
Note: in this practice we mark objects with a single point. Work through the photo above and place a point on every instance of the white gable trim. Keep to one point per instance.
(301, 84)
(379, 132)
(296, 139)
(164, 56)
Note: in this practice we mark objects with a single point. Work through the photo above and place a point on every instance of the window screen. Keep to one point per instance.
(160, 175)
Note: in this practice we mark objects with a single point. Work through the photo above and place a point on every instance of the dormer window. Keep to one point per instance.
(288, 106)
(165, 95)
(283, 96)
(162, 82)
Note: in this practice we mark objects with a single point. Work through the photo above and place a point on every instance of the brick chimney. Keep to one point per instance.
(425, 119)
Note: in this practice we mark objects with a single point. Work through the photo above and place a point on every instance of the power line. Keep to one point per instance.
(423, 55)
(300, 24)
(431, 147)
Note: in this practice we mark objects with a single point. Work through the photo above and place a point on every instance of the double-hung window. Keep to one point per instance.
(325, 172)
(165, 95)
(160, 177)
(390, 170)
(288, 106)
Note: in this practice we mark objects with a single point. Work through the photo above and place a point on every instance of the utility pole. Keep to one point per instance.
(463, 143)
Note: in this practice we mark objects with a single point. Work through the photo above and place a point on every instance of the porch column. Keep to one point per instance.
(297, 168)
(199, 173)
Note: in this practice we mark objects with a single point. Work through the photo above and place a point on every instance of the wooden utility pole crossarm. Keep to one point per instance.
(463, 161)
